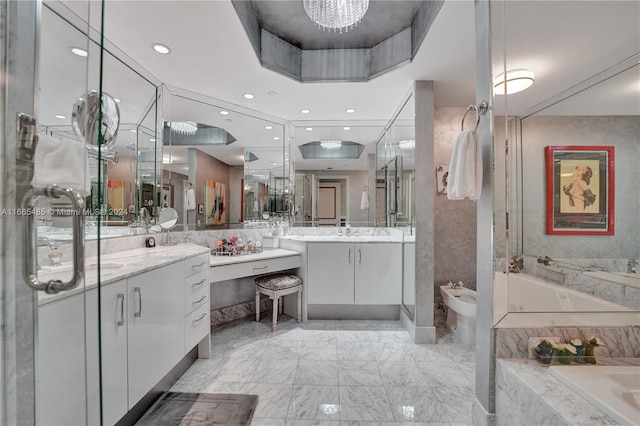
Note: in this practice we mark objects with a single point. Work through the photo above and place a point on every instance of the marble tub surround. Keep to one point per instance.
(527, 394)
(619, 342)
(118, 266)
(343, 372)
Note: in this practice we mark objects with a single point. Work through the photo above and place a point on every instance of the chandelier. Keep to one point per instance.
(184, 127)
(336, 14)
(331, 144)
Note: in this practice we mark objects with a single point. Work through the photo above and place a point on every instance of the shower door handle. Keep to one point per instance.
(30, 269)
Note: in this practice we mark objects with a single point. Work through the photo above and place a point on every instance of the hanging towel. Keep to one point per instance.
(63, 162)
(256, 209)
(364, 202)
(465, 168)
(190, 199)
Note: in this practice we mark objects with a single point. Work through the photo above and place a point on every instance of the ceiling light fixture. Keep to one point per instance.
(331, 144)
(61, 117)
(184, 127)
(268, 127)
(516, 81)
(336, 15)
(276, 138)
(79, 51)
(305, 111)
(161, 48)
(350, 110)
(223, 112)
(248, 96)
(117, 100)
(407, 144)
(346, 128)
(309, 129)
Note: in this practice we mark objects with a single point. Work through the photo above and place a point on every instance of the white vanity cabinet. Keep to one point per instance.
(354, 273)
(197, 306)
(155, 328)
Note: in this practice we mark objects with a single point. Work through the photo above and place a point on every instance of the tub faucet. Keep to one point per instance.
(632, 266)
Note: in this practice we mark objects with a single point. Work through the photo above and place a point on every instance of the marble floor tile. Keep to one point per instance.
(366, 403)
(301, 422)
(314, 403)
(267, 422)
(355, 352)
(426, 353)
(237, 370)
(317, 373)
(273, 400)
(446, 374)
(282, 350)
(401, 374)
(319, 351)
(249, 349)
(358, 373)
(275, 372)
(452, 404)
(411, 403)
(357, 423)
(392, 352)
(391, 336)
(320, 335)
(319, 325)
(344, 336)
(455, 352)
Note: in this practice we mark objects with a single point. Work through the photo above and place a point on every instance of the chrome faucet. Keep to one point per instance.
(348, 231)
(632, 266)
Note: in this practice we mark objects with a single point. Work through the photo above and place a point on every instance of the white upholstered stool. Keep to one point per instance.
(275, 286)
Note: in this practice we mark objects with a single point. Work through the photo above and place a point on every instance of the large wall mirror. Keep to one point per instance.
(70, 64)
(557, 254)
(222, 166)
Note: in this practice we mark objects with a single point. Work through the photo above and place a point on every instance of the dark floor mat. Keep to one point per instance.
(200, 409)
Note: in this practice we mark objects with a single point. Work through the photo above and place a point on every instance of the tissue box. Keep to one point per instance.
(269, 242)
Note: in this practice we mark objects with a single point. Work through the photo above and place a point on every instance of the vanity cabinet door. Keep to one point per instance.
(330, 273)
(156, 327)
(378, 274)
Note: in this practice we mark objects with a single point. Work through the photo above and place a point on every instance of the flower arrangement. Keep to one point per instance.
(544, 352)
(578, 357)
(565, 352)
(589, 346)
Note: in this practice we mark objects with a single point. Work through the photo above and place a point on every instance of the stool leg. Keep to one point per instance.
(275, 313)
(300, 304)
(281, 305)
(257, 306)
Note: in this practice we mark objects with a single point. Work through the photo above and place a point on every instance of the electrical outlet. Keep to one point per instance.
(535, 341)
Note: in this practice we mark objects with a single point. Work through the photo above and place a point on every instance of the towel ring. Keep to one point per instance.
(479, 109)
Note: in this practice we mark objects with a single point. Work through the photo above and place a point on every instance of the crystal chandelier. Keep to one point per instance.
(336, 14)
(184, 127)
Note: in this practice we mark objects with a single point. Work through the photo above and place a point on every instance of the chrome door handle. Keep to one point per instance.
(137, 290)
(29, 203)
(121, 299)
(261, 268)
(199, 300)
(360, 253)
(199, 319)
(349, 256)
(202, 281)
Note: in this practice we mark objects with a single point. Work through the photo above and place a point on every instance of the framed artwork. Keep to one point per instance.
(580, 190)
(215, 202)
(115, 200)
(167, 195)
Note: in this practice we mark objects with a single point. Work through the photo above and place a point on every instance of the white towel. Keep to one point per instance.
(190, 199)
(63, 162)
(256, 209)
(465, 168)
(364, 202)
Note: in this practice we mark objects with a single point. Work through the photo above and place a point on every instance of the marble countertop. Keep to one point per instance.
(117, 266)
(343, 239)
(264, 255)
(566, 403)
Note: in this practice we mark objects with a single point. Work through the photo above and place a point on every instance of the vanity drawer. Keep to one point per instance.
(196, 326)
(257, 267)
(196, 264)
(196, 291)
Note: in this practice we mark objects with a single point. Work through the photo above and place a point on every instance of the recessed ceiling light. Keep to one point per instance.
(309, 129)
(346, 128)
(350, 110)
(223, 112)
(133, 131)
(161, 48)
(516, 81)
(248, 96)
(79, 51)
(274, 164)
(305, 111)
(276, 138)
(61, 117)
(268, 127)
(117, 100)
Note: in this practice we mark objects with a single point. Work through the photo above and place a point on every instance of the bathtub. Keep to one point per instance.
(623, 278)
(524, 301)
(530, 294)
(613, 389)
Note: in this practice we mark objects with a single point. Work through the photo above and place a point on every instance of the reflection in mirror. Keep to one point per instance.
(583, 101)
(167, 220)
(231, 159)
(62, 81)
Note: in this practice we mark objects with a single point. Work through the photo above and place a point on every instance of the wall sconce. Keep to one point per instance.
(517, 80)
